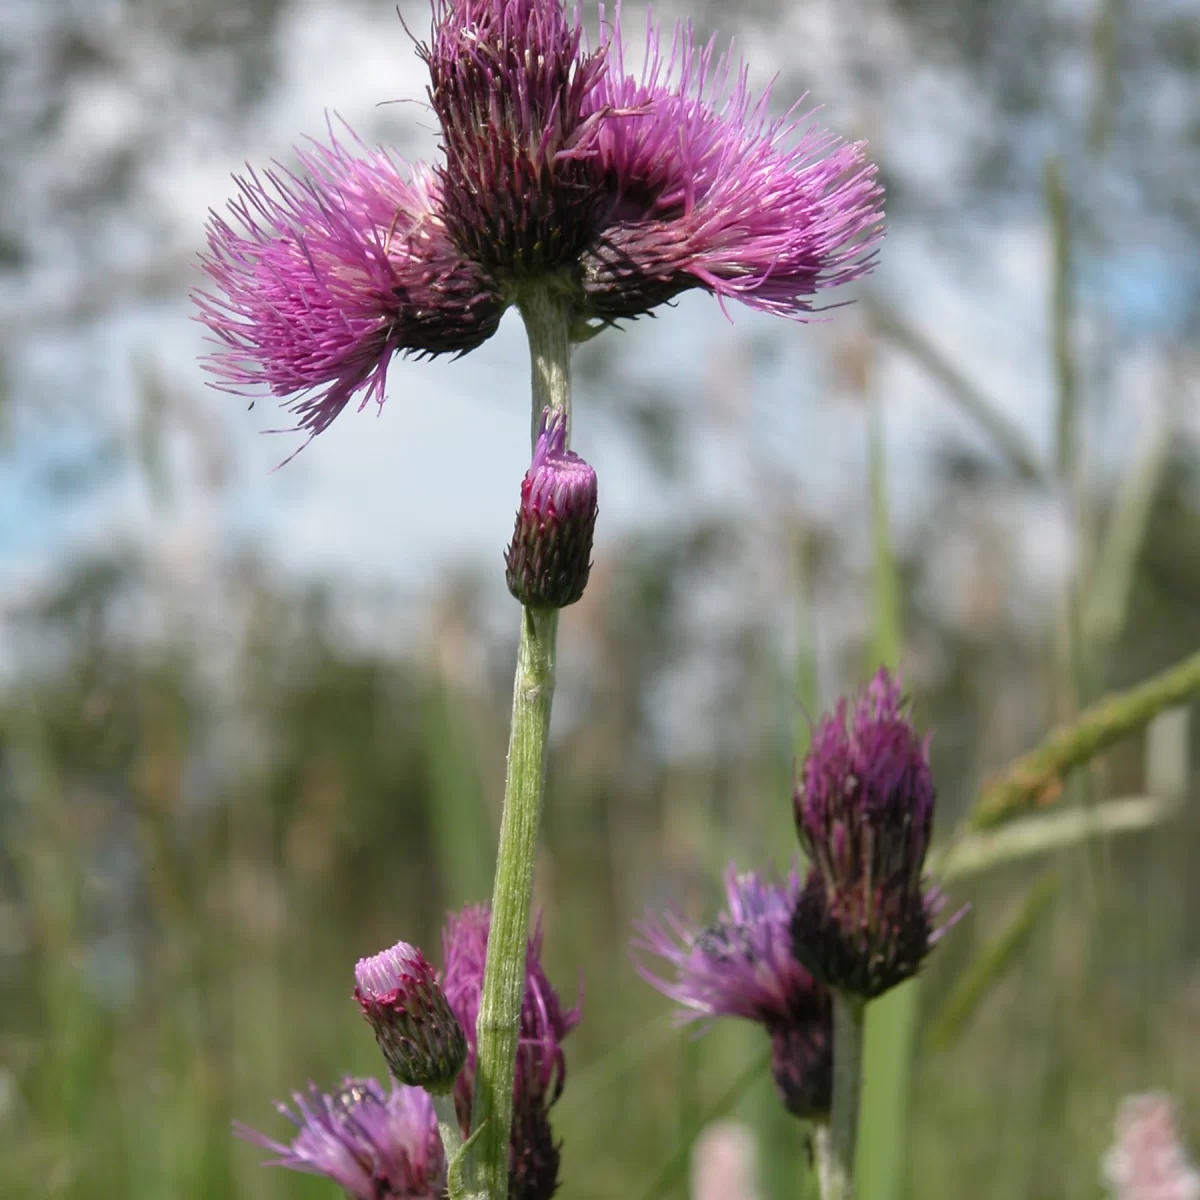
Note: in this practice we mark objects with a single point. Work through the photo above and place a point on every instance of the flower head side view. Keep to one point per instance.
(742, 965)
(560, 171)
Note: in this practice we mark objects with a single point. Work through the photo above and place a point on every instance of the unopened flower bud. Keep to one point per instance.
(864, 812)
(548, 562)
(416, 1028)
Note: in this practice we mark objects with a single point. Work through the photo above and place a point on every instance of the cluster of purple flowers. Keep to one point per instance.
(559, 169)
(861, 923)
(383, 1144)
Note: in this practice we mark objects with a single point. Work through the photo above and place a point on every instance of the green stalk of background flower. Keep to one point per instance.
(486, 1167)
(890, 1026)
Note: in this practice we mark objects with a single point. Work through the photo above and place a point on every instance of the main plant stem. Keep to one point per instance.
(546, 322)
(834, 1145)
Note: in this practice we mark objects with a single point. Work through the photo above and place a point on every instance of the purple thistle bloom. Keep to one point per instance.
(374, 1144)
(559, 170)
(417, 1031)
(321, 279)
(707, 190)
(864, 812)
(511, 87)
(541, 1065)
(743, 966)
(548, 562)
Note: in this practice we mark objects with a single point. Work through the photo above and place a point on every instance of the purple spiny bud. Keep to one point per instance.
(743, 966)
(421, 1039)
(548, 562)
(541, 1065)
(374, 1144)
(864, 813)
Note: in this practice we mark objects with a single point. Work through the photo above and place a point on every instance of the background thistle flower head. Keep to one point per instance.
(549, 560)
(742, 965)
(864, 813)
(417, 1031)
(373, 1143)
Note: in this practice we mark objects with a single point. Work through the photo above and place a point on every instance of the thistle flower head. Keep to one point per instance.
(374, 1144)
(864, 812)
(1147, 1161)
(706, 189)
(510, 82)
(548, 562)
(415, 1027)
(743, 966)
(323, 276)
(559, 169)
(540, 1066)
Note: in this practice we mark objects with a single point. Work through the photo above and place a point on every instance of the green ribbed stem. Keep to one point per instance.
(485, 1171)
(834, 1145)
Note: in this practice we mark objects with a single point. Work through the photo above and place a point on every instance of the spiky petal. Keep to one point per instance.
(743, 966)
(1147, 1161)
(510, 84)
(416, 1029)
(541, 1065)
(548, 562)
(864, 812)
(373, 1143)
(706, 189)
(322, 276)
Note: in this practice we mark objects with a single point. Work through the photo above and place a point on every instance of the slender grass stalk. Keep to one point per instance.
(1028, 837)
(1035, 778)
(1008, 438)
(486, 1168)
(996, 957)
(891, 1021)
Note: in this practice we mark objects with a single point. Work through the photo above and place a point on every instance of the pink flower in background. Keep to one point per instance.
(1147, 1161)
(724, 1163)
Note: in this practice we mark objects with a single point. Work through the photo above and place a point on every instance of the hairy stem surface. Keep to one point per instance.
(499, 1023)
(835, 1147)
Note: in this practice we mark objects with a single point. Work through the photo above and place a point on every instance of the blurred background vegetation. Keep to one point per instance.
(226, 774)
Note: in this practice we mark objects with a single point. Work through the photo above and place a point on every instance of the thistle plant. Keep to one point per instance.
(864, 921)
(581, 194)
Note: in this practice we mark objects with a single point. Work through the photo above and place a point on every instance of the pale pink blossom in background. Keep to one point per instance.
(724, 1164)
(1147, 1161)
